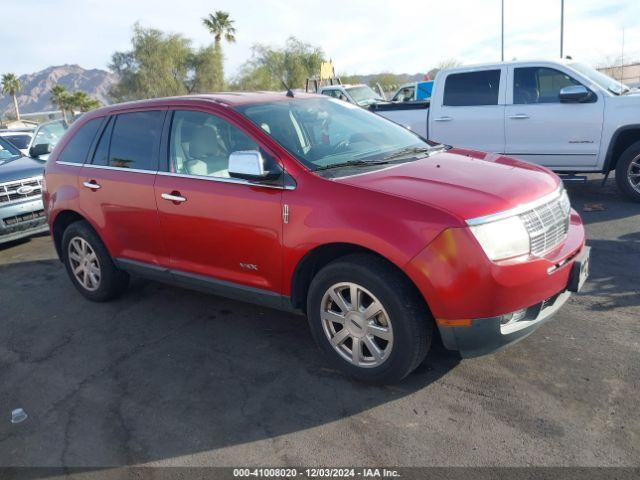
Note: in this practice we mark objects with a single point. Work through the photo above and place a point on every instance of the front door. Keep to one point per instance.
(469, 111)
(116, 186)
(541, 129)
(217, 229)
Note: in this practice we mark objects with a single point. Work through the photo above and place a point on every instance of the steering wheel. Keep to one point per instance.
(341, 146)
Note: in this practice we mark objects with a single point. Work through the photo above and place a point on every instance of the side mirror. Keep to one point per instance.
(575, 94)
(40, 149)
(248, 165)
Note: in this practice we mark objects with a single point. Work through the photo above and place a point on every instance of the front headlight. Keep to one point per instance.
(503, 238)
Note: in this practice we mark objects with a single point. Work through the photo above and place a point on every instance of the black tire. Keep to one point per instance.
(112, 281)
(411, 321)
(631, 154)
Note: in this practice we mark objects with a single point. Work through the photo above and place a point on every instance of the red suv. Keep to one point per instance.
(313, 205)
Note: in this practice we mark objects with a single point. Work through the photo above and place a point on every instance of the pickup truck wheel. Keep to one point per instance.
(89, 265)
(368, 319)
(628, 172)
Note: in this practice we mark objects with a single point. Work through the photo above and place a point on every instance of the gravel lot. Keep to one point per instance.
(165, 376)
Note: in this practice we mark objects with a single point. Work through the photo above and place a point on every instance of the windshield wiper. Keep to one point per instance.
(350, 163)
(404, 152)
(392, 158)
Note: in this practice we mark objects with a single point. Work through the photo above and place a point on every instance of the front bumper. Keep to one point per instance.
(486, 335)
(23, 219)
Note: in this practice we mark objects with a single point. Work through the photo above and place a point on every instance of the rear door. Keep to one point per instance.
(469, 110)
(220, 229)
(541, 129)
(116, 186)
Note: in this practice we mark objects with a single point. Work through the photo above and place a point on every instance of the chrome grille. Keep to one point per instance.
(9, 191)
(547, 224)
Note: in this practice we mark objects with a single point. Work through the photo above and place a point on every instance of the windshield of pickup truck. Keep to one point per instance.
(599, 78)
(8, 151)
(363, 95)
(328, 133)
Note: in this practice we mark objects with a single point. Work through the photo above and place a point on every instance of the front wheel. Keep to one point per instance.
(628, 172)
(368, 319)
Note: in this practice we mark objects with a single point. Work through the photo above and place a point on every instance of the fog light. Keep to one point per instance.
(513, 317)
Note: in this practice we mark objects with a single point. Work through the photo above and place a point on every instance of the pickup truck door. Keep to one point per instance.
(467, 109)
(541, 129)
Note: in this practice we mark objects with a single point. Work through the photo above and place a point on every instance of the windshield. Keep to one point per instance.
(363, 94)
(323, 133)
(599, 78)
(8, 151)
(19, 140)
(50, 133)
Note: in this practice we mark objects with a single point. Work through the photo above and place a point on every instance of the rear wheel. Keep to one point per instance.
(368, 319)
(89, 265)
(628, 172)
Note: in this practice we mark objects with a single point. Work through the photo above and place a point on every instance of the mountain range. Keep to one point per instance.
(35, 94)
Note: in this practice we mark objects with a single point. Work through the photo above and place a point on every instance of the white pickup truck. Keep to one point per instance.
(563, 114)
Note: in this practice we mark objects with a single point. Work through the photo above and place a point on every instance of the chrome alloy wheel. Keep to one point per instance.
(84, 263)
(356, 324)
(633, 174)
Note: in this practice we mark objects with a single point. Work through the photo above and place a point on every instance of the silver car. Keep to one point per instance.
(21, 210)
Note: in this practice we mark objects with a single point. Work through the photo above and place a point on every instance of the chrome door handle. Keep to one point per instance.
(443, 119)
(92, 185)
(519, 116)
(173, 198)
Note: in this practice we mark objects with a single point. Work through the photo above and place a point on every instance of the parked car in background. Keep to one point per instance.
(362, 95)
(411, 92)
(309, 204)
(19, 138)
(45, 137)
(21, 210)
(563, 115)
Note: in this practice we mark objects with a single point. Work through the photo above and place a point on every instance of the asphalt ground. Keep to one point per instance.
(165, 376)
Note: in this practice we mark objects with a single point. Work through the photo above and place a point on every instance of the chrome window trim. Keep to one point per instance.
(70, 164)
(237, 181)
(120, 169)
(516, 210)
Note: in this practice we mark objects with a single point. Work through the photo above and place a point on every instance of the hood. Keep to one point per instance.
(23, 167)
(466, 183)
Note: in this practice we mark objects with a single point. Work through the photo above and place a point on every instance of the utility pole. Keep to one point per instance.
(561, 27)
(622, 59)
(502, 35)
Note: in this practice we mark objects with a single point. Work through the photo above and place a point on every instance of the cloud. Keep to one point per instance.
(361, 36)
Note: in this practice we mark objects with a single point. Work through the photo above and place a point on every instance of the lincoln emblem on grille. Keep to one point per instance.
(25, 189)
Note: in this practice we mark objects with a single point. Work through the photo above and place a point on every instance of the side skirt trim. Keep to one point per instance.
(207, 284)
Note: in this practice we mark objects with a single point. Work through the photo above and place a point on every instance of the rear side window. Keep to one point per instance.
(101, 154)
(135, 140)
(472, 88)
(77, 149)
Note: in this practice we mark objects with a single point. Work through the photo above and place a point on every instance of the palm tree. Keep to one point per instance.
(11, 86)
(61, 98)
(83, 102)
(220, 25)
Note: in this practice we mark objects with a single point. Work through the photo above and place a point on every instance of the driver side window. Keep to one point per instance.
(539, 85)
(200, 144)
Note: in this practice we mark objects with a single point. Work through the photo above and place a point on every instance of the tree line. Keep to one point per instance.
(60, 97)
(161, 64)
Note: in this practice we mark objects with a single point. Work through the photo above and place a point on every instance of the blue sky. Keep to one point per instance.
(361, 36)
